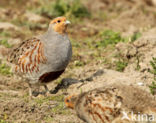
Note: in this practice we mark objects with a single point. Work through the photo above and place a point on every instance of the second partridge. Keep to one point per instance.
(115, 103)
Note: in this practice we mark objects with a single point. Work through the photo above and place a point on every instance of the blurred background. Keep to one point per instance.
(104, 34)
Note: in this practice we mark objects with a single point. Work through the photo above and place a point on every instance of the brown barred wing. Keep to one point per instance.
(19, 50)
(28, 55)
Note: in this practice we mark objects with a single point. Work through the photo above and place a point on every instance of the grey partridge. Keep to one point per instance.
(43, 58)
(114, 104)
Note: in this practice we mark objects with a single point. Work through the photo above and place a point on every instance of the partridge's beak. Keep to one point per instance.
(67, 22)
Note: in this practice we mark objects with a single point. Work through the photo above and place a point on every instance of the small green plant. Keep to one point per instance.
(58, 108)
(120, 65)
(5, 34)
(75, 43)
(48, 119)
(4, 69)
(52, 98)
(153, 71)
(5, 43)
(135, 36)
(57, 98)
(108, 37)
(137, 63)
(3, 121)
(77, 9)
(81, 91)
(79, 63)
(153, 64)
(57, 8)
(153, 88)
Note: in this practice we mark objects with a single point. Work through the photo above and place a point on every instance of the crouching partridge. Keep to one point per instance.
(114, 104)
(43, 58)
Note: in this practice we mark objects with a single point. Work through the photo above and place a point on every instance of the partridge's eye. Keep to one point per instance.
(58, 21)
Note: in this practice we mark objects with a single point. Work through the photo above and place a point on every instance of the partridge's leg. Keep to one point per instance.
(36, 92)
(30, 89)
(46, 88)
(47, 92)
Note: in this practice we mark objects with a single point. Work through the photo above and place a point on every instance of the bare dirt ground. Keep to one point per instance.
(125, 16)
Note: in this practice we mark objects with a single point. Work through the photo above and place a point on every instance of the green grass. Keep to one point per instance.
(3, 118)
(79, 63)
(48, 119)
(75, 43)
(137, 63)
(59, 108)
(153, 64)
(52, 98)
(109, 37)
(107, 40)
(4, 69)
(153, 88)
(70, 8)
(5, 34)
(120, 65)
(5, 43)
(30, 25)
(135, 36)
(3, 121)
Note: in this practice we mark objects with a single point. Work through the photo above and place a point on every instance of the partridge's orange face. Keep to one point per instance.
(60, 24)
(70, 101)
